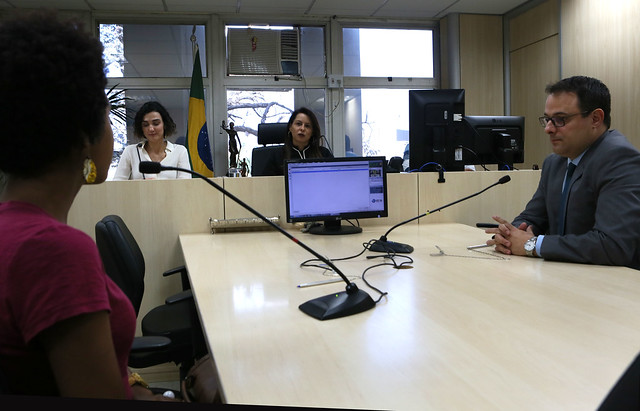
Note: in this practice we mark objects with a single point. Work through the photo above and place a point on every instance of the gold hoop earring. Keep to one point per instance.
(89, 171)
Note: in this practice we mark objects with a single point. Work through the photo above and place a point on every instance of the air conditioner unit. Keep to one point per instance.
(263, 52)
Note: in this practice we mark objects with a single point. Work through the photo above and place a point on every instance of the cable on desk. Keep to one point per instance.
(306, 263)
(355, 225)
(391, 256)
(394, 264)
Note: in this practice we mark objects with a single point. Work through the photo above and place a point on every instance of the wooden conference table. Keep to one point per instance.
(460, 330)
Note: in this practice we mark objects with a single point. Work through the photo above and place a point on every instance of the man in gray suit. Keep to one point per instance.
(590, 214)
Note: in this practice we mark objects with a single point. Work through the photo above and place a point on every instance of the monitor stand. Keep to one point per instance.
(334, 227)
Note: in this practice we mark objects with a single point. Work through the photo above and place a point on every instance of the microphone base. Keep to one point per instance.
(381, 246)
(338, 305)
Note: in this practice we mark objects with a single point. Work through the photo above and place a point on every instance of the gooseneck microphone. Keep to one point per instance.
(139, 158)
(384, 246)
(349, 302)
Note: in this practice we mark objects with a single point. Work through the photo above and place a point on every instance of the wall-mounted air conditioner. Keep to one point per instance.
(263, 52)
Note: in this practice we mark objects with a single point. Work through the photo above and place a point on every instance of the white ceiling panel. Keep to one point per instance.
(484, 7)
(58, 4)
(362, 8)
(431, 9)
(274, 7)
(201, 6)
(410, 8)
(127, 5)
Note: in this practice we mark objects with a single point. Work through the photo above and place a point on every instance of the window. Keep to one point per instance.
(366, 115)
(248, 108)
(275, 50)
(139, 54)
(386, 63)
(387, 52)
(149, 50)
(380, 125)
(261, 58)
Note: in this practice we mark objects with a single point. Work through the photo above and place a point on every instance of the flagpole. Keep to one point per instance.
(194, 44)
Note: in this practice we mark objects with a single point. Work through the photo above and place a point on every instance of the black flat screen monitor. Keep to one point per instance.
(436, 129)
(335, 189)
(495, 140)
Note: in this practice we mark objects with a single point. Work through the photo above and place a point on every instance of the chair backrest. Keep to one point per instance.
(263, 160)
(395, 165)
(271, 133)
(122, 258)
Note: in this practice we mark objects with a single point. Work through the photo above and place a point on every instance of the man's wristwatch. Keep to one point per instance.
(530, 246)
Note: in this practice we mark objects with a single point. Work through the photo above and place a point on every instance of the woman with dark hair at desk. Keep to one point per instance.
(303, 140)
(303, 137)
(67, 328)
(153, 124)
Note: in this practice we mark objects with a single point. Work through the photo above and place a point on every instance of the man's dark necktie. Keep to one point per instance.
(565, 193)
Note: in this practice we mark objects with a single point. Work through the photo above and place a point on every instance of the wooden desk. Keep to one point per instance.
(465, 330)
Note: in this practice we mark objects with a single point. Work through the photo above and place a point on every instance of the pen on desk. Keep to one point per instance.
(333, 280)
(486, 225)
(473, 247)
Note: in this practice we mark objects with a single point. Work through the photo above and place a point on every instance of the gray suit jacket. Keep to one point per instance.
(603, 207)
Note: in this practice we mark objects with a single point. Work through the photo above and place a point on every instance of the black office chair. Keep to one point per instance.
(394, 165)
(271, 136)
(171, 332)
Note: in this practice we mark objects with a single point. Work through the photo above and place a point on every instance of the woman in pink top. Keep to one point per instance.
(66, 328)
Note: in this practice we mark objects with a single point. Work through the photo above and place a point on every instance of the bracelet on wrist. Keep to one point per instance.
(135, 378)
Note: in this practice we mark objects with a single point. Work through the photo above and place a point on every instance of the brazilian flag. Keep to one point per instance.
(198, 144)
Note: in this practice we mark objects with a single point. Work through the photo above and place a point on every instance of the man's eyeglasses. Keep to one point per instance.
(557, 121)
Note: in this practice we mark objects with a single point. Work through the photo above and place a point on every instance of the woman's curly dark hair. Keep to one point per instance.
(52, 91)
(148, 107)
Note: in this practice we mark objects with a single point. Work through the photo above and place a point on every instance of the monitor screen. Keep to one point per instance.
(495, 140)
(330, 190)
(436, 129)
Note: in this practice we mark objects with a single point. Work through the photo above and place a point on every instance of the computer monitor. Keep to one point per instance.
(436, 129)
(494, 140)
(330, 190)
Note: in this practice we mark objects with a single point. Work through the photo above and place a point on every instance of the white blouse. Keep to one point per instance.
(177, 156)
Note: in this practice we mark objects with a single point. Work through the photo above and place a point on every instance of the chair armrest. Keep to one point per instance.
(181, 296)
(149, 343)
(180, 269)
(147, 351)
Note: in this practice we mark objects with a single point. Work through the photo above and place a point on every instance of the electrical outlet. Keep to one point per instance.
(334, 82)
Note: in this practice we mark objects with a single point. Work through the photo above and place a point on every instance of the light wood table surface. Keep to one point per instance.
(460, 331)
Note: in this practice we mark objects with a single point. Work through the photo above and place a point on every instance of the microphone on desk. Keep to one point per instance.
(384, 246)
(336, 305)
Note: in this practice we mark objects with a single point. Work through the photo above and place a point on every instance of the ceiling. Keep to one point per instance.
(426, 9)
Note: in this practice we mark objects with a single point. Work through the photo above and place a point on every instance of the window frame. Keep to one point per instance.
(361, 82)
(217, 81)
